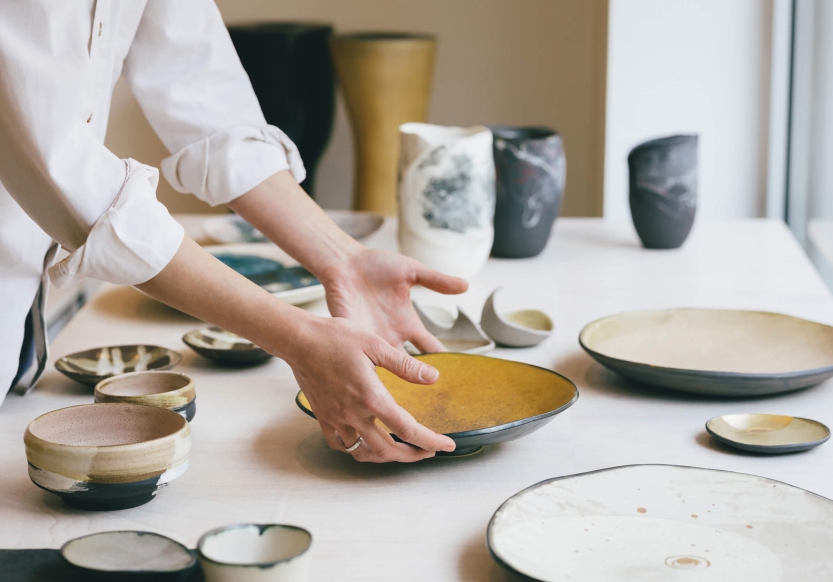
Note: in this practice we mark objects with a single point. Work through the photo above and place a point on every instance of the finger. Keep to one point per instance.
(425, 342)
(439, 282)
(406, 367)
(379, 447)
(405, 426)
(331, 437)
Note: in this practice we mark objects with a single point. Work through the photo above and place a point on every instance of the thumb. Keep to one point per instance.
(403, 365)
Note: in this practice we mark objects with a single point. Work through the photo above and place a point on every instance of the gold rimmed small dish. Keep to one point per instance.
(164, 389)
(770, 434)
(479, 400)
(92, 366)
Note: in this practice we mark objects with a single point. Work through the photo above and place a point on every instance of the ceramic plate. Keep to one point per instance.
(713, 351)
(265, 265)
(230, 228)
(128, 553)
(92, 366)
(480, 400)
(664, 523)
(768, 433)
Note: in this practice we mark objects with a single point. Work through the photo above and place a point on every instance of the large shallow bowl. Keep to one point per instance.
(107, 456)
(479, 400)
(644, 523)
(713, 351)
(92, 366)
(169, 390)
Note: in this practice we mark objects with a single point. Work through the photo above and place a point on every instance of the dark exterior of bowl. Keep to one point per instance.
(712, 383)
(241, 357)
(170, 360)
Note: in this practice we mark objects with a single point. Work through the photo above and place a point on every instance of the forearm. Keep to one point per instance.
(282, 211)
(200, 285)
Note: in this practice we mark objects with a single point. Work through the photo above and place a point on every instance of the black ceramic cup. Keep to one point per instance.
(531, 170)
(291, 72)
(663, 190)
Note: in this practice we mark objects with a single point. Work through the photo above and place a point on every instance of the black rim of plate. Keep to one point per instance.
(786, 448)
(61, 365)
(260, 526)
(709, 374)
(140, 533)
(488, 429)
(507, 566)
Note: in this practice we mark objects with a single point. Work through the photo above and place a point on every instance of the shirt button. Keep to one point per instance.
(90, 118)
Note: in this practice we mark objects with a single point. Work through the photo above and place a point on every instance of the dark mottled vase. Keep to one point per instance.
(663, 190)
(531, 170)
(291, 72)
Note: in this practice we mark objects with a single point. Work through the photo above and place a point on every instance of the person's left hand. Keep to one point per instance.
(372, 288)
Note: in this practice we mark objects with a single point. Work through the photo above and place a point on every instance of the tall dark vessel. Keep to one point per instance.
(531, 171)
(291, 71)
(663, 190)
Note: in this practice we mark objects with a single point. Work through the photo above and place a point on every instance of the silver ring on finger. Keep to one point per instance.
(355, 445)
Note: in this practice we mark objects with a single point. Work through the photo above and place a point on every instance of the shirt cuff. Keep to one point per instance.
(131, 242)
(229, 163)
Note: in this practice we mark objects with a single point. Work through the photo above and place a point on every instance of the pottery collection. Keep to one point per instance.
(107, 456)
(531, 171)
(291, 71)
(446, 197)
(663, 190)
(169, 390)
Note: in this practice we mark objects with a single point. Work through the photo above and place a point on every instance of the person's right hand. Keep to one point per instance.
(335, 363)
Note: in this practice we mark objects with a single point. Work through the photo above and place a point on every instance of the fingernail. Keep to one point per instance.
(428, 374)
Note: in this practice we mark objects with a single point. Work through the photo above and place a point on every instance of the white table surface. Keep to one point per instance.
(257, 458)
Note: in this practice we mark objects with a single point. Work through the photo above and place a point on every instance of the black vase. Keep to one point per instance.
(531, 170)
(663, 190)
(291, 72)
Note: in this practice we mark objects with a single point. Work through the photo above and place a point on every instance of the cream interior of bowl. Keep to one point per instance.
(144, 384)
(255, 544)
(106, 425)
(748, 342)
(127, 551)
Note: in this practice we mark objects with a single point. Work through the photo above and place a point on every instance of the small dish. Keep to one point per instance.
(224, 347)
(464, 336)
(107, 456)
(517, 329)
(436, 319)
(231, 228)
(479, 400)
(92, 366)
(252, 552)
(128, 555)
(768, 433)
(263, 264)
(164, 389)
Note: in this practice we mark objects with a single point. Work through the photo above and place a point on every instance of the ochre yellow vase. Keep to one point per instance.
(386, 80)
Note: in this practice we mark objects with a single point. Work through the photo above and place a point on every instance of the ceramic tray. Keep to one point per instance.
(713, 351)
(479, 400)
(230, 228)
(664, 523)
(265, 264)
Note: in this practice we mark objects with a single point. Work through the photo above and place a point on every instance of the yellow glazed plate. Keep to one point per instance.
(479, 400)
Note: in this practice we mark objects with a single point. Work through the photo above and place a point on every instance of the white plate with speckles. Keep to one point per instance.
(664, 523)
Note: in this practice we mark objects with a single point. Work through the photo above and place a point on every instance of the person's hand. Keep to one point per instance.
(335, 363)
(372, 288)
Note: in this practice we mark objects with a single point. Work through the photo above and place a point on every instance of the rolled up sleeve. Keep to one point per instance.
(100, 208)
(185, 73)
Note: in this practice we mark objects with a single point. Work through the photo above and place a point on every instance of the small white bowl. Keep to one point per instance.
(252, 552)
(517, 329)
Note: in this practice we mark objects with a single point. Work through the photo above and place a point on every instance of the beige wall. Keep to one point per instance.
(531, 62)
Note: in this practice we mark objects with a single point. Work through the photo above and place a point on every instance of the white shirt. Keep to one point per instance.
(59, 62)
